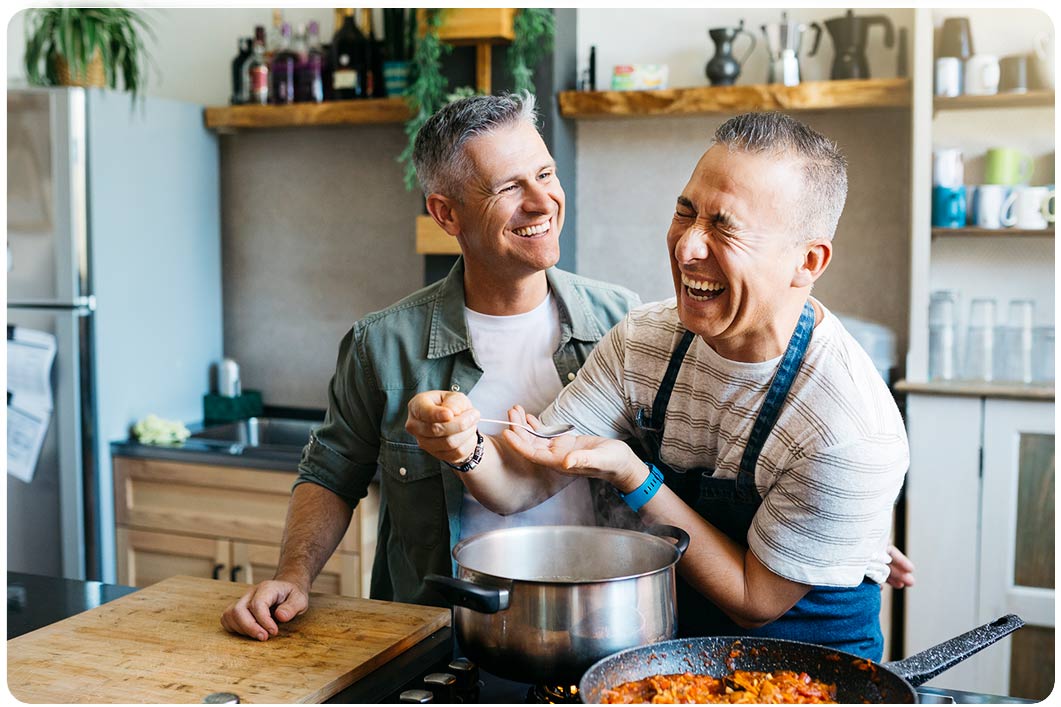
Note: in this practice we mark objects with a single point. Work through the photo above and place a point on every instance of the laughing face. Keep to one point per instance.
(738, 269)
(512, 209)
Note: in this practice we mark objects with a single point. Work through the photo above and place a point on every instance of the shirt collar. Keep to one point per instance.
(449, 329)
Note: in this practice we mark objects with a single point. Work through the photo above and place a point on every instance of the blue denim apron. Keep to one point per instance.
(845, 618)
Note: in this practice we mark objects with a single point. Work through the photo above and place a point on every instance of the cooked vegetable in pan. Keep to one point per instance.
(738, 687)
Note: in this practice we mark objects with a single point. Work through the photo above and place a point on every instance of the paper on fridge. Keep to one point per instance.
(30, 355)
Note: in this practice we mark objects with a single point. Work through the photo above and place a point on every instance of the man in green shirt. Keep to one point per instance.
(504, 324)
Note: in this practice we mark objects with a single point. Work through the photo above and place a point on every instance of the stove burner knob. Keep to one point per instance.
(467, 674)
(443, 686)
(416, 697)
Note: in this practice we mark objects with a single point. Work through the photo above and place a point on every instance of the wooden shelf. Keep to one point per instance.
(810, 95)
(493, 25)
(1031, 99)
(992, 232)
(367, 111)
(432, 240)
(978, 390)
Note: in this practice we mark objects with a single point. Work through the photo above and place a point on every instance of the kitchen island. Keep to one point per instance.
(35, 602)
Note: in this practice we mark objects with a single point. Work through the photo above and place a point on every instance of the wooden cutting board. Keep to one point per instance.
(165, 644)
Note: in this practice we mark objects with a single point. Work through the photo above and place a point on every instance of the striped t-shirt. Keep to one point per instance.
(829, 472)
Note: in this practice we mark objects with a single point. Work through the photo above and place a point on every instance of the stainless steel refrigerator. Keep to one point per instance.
(113, 247)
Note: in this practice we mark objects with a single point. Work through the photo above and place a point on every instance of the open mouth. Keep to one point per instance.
(702, 290)
(536, 231)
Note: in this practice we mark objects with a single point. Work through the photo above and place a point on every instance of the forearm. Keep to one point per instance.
(725, 572)
(505, 482)
(316, 521)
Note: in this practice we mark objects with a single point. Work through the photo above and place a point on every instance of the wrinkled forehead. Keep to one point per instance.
(724, 170)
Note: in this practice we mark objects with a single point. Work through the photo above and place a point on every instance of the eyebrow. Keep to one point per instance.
(683, 201)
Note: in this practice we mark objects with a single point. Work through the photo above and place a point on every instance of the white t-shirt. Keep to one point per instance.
(830, 470)
(516, 355)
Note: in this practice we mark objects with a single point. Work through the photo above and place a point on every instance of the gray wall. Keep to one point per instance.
(317, 231)
(631, 170)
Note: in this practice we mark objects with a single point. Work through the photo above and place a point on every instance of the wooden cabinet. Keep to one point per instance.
(222, 522)
(980, 525)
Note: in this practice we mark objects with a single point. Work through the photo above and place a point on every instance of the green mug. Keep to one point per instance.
(1004, 165)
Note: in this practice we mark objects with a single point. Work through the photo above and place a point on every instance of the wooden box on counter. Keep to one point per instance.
(222, 522)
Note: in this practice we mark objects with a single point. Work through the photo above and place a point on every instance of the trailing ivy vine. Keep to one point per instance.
(534, 28)
(427, 93)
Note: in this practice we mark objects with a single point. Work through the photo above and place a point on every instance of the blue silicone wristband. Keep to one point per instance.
(644, 493)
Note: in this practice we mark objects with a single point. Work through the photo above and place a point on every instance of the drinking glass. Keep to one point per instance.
(1014, 360)
(943, 335)
(980, 341)
(1043, 355)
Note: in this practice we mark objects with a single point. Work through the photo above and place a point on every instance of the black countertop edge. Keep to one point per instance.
(198, 452)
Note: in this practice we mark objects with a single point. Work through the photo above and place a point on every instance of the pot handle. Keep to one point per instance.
(670, 531)
(461, 592)
(928, 664)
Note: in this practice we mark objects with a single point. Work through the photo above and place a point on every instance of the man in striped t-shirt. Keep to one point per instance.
(769, 435)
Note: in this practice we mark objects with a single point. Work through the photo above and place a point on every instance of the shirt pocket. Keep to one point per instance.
(412, 481)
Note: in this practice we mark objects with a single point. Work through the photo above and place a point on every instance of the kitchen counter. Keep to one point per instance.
(198, 450)
(35, 601)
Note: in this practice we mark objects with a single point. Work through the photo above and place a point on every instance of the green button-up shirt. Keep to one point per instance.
(421, 343)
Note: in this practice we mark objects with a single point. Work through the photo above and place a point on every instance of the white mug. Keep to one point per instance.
(948, 76)
(948, 170)
(982, 73)
(1025, 207)
(987, 211)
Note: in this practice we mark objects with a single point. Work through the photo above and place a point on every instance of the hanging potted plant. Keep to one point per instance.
(70, 46)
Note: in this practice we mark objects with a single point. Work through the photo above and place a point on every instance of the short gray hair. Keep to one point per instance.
(824, 166)
(438, 154)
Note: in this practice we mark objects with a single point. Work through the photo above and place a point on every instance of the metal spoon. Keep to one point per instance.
(545, 432)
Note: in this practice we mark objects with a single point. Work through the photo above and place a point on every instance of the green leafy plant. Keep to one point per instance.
(427, 92)
(75, 36)
(534, 29)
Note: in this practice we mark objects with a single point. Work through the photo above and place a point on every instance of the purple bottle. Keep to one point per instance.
(283, 69)
(309, 78)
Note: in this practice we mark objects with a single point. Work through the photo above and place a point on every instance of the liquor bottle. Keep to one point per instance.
(373, 58)
(348, 59)
(282, 69)
(309, 80)
(238, 91)
(258, 71)
(326, 71)
(275, 36)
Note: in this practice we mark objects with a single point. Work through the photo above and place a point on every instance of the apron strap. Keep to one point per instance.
(775, 398)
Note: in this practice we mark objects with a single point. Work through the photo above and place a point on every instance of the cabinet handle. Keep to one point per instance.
(216, 574)
(235, 570)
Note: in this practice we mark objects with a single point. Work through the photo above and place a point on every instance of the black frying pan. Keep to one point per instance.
(857, 679)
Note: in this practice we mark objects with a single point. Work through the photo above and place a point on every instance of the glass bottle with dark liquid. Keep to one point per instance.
(348, 59)
(283, 69)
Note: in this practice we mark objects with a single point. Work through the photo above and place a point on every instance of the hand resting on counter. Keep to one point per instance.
(253, 613)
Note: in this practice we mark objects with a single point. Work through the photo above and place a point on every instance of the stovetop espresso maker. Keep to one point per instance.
(850, 35)
(783, 40)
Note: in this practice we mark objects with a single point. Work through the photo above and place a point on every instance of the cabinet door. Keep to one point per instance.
(146, 557)
(1017, 544)
(256, 562)
(942, 526)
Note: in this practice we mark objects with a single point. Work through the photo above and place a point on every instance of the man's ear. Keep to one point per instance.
(816, 257)
(441, 209)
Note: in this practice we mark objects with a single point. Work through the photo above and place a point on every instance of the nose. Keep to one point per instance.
(692, 245)
(537, 199)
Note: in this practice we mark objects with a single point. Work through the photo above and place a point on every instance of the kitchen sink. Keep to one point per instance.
(261, 432)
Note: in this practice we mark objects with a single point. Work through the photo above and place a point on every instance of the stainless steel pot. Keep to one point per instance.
(541, 604)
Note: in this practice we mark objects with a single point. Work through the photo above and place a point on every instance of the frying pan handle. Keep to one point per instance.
(926, 665)
(461, 592)
(670, 531)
